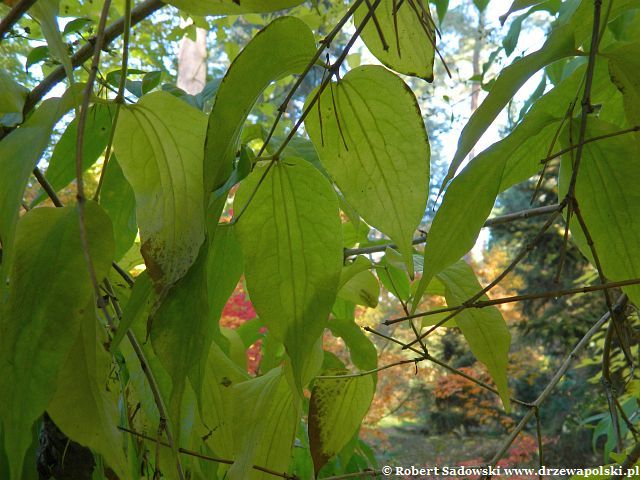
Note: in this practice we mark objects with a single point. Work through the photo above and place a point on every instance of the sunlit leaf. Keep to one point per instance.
(484, 329)
(292, 245)
(370, 136)
(283, 47)
(408, 33)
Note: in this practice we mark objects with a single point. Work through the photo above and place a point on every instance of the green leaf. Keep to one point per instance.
(518, 5)
(76, 25)
(282, 48)
(141, 295)
(358, 284)
(232, 7)
(181, 331)
(607, 195)
(362, 351)
(19, 154)
(484, 329)
(12, 94)
(37, 55)
(150, 81)
(158, 143)
(376, 149)
(62, 165)
(441, 9)
(291, 240)
(409, 38)
(265, 412)
(624, 65)
(471, 195)
(83, 407)
(336, 409)
(119, 201)
(46, 13)
(560, 44)
(224, 269)
(36, 333)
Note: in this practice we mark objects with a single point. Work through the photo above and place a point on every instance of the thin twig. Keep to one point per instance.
(14, 15)
(369, 372)
(112, 32)
(519, 298)
(491, 222)
(210, 458)
(562, 370)
(523, 253)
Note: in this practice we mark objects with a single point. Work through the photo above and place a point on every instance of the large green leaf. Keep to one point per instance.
(84, 407)
(12, 94)
(291, 240)
(266, 412)
(370, 136)
(409, 41)
(336, 409)
(624, 65)
(181, 331)
(215, 409)
(119, 201)
(36, 333)
(560, 44)
(608, 198)
(158, 143)
(362, 351)
(62, 165)
(282, 48)
(232, 7)
(19, 154)
(484, 329)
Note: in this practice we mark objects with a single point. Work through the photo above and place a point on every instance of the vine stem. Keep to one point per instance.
(520, 298)
(566, 364)
(119, 95)
(14, 15)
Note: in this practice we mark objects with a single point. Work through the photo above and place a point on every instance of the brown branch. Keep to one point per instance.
(210, 458)
(559, 153)
(491, 222)
(628, 462)
(566, 364)
(519, 298)
(14, 15)
(442, 364)
(111, 32)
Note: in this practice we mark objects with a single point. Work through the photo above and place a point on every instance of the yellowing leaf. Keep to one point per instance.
(484, 329)
(408, 33)
(291, 239)
(283, 47)
(370, 136)
(336, 409)
(159, 143)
